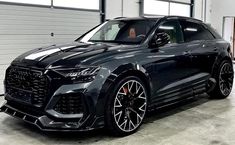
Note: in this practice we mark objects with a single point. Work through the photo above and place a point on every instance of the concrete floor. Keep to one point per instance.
(199, 122)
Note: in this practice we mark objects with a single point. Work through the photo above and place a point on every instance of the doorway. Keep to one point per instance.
(229, 32)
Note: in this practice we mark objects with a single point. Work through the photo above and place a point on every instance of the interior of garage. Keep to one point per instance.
(26, 25)
(30, 24)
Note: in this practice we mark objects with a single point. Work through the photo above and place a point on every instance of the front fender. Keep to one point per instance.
(115, 76)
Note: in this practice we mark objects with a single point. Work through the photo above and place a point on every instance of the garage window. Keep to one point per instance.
(180, 9)
(79, 4)
(36, 2)
(165, 8)
(153, 7)
(83, 4)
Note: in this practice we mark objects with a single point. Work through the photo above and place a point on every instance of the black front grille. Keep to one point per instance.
(27, 85)
(69, 104)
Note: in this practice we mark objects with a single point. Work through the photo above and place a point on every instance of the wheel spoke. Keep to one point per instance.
(141, 97)
(138, 117)
(119, 115)
(120, 93)
(131, 125)
(124, 124)
(137, 88)
(142, 108)
(130, 87)
(119, 104)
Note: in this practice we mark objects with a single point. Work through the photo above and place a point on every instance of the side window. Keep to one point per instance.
(173, 29)
(193, 31)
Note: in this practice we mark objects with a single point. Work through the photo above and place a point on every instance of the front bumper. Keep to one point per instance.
(52, 113)
(47, 118)
(45, 123)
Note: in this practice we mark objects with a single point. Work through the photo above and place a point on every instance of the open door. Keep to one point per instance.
(229, 33)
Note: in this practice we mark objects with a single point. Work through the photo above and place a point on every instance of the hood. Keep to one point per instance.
(70, 55)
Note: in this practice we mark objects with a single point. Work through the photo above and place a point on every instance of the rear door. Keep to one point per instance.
(201, 46)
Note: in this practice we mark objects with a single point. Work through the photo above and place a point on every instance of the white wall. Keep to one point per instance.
(113, 9)
(131, 8)
(198, 9)
(221, 8)
(208, 10)
(202, 10)
(117, 8)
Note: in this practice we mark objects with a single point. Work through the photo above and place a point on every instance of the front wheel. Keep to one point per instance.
(126, 106)
(224, 81)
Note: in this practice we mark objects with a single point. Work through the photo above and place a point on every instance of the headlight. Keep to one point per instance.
(81, 74)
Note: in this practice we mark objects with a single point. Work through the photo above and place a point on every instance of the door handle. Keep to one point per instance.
(186, 53)
(215, 49)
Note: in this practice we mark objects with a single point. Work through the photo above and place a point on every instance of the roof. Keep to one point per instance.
(157, 18)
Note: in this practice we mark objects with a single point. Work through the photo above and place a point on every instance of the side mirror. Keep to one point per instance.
(160, 39)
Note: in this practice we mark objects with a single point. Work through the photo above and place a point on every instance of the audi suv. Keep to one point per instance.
(115, 73)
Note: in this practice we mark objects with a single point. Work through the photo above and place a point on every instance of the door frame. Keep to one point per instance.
(233, 34)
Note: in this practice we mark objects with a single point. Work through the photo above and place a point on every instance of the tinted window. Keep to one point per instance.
(193, 31)
(173, 29)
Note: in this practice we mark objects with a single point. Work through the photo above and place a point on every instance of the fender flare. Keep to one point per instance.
(116, 75)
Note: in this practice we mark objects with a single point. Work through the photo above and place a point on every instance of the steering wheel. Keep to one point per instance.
(141, 36)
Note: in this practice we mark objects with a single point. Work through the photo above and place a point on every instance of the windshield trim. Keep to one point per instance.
(114, 41)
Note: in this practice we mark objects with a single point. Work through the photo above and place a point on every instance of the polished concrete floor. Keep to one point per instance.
(198, 122)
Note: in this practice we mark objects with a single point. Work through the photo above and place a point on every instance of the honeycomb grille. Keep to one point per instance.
(27, 85)
(69, 104)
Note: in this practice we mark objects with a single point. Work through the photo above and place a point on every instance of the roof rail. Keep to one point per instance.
(119, 18)
(182, 17)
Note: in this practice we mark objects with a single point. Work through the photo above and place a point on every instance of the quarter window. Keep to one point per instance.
(193, 31)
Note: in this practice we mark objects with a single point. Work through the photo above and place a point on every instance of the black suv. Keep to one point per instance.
(112, 75)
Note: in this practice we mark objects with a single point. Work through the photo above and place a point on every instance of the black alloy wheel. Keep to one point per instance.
(128, 107)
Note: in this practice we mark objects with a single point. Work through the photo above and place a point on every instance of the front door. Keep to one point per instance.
(170, 64)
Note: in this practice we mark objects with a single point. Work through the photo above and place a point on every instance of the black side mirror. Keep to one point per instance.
(160, 39)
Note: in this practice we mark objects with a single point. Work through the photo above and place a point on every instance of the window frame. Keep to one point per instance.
(153, 33)
(199, 24)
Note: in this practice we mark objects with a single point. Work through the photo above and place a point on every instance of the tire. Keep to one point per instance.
(224, 81)
(126, 106)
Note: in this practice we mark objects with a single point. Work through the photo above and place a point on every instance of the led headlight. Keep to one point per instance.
(81, 74)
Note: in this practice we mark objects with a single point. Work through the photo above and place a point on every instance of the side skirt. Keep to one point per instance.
(181, 90)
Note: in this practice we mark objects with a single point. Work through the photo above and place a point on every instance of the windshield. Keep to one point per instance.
(120, 31)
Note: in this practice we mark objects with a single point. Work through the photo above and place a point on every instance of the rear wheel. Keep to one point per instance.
(126, 106)
(224, 81)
